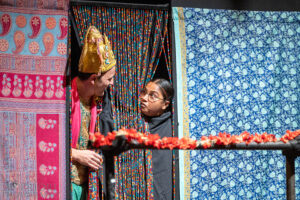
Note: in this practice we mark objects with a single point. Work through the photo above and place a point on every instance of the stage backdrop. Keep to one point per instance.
(33, 47)
(236, 71)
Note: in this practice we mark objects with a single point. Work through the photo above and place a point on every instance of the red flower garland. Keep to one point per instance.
(154, 140)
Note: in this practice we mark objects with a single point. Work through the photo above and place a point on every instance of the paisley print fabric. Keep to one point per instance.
(32, 103)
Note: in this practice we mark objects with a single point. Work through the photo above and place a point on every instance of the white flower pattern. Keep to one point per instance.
(242, 74)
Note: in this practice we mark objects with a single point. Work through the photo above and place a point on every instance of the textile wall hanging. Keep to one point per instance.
(33, 45)
(236, 71)
(38, 4)
(137, 37)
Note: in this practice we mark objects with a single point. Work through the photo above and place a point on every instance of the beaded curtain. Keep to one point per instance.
(240, 72)
(137, 37)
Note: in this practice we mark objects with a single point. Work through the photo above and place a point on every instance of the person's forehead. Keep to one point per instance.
(111, 73)
(152, 87)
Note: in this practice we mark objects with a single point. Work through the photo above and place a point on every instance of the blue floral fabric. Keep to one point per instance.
(242, 74)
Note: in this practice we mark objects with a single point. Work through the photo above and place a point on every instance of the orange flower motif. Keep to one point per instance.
(237, 139)
(111, 136)
(151, 139)
(187, 143)
(98, 140)
(173, 143)
(268, 137)
(290, 135)
(223, 139)
(257, 138)
(169, 143)
(154, 140)
(206, 142)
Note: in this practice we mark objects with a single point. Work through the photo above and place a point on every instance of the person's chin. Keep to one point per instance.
(144, 111)
(101, 94)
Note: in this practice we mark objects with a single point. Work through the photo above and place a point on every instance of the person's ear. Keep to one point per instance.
(166, 104)
(92, 79)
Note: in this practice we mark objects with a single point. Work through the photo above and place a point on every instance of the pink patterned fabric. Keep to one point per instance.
(38, 4)
(75, 115)
(32, 104)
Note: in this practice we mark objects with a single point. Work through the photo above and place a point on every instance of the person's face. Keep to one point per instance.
(152, 100)
(102, 82)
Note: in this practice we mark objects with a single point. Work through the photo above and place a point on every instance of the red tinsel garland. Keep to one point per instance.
(154, 140)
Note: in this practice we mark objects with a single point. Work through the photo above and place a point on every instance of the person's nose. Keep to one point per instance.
(111, 82)
(144, 98)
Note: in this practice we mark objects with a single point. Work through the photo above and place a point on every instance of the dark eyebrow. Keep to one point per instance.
(153, 91)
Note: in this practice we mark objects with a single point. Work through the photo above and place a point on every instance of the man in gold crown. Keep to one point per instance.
(96, 74)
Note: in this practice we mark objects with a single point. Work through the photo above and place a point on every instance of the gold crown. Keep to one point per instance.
(97, 55)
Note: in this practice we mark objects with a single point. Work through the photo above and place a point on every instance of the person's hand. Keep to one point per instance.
(87, 158)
